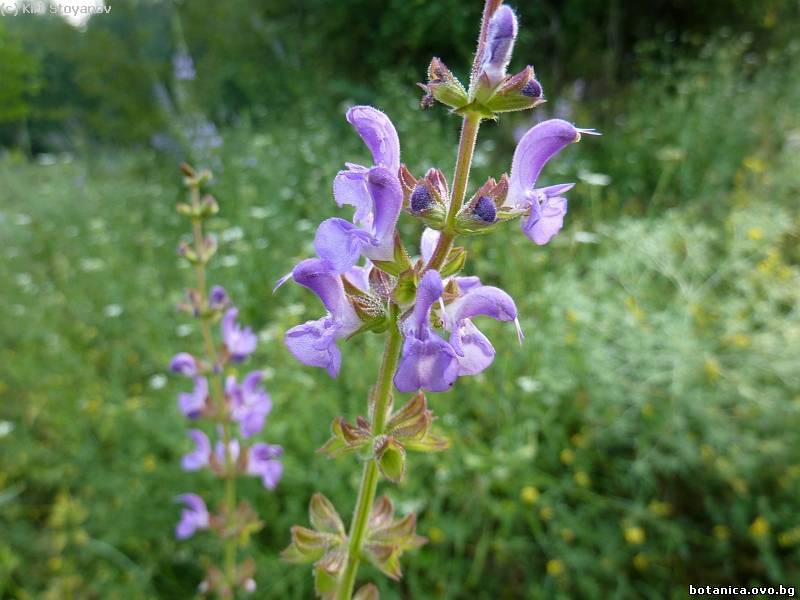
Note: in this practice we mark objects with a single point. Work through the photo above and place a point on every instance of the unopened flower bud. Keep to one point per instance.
(421, 199)
(499, 45)
(485, 210)
(218, 298)
(532, 89)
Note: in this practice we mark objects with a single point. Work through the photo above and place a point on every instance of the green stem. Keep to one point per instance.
(466, 149)
(217, 392)
(369, 479)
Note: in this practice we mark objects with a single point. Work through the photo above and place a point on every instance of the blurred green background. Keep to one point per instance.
(643, 439)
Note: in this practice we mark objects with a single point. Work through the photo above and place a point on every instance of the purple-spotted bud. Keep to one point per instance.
(481, 213)
(518, 92)
(485, 210)
(218, 298)
(421, 199)
(499, 45)
(428, 199)
(532, 89)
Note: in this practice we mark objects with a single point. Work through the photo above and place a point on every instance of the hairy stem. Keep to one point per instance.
(369, 479)
(488, 10)
(466, 149)
(217, 391)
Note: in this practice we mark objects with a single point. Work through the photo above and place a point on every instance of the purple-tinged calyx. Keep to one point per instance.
(443, 86)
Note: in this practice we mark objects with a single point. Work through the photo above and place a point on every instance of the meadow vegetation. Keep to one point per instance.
(645, 437)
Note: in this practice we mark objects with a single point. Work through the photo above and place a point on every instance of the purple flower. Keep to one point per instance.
(197, 458)
(380, 136)
(261, 461)
(499, 45)
(427, 361)
(475, 352)
(239, 341)
(218, 298)
(250, 403)
(193, 517)
(183, 66)
(545, 207)
(341, 243)
(314, 343)
(184, 363)
(193, 403)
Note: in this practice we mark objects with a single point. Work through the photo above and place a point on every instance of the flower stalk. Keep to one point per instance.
(369, 478)
(217, 393)
(423, 306)
(223, 403)
(466, 150)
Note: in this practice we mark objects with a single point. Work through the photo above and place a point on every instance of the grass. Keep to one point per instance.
(644, 437)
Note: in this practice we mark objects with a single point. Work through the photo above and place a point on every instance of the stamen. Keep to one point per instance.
(281, 281)
(520, 335)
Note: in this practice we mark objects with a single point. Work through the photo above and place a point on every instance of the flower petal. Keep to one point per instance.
(483, 300)
(316, 274)
(476, 352)
(429, 291)
(378, 134)
(349, 187)
(545, 222)
(427, 244)
(429, 364)
(314, 344)
(340, 243)
(535, 148)
(387, 200)
(198, 458)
